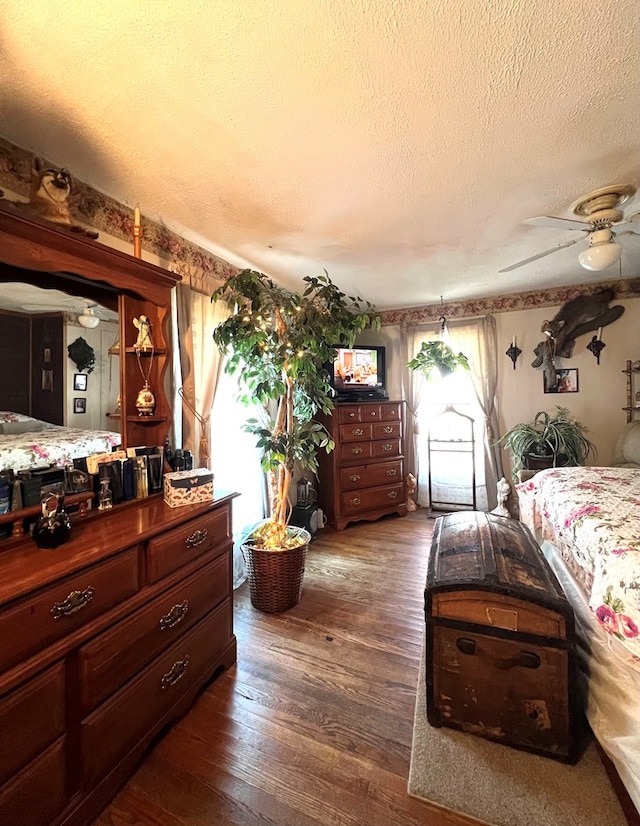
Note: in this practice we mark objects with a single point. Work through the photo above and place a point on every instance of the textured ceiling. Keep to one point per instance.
(397, 143)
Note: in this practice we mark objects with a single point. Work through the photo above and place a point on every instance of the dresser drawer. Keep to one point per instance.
(391, 412)
(386, 448)
(36, 795)
(354, 451)
(54, 612)
(364, 500)
(386, 430)
(358, 432)
(348, 413)
(113, 729)
(369, 476)
(176, 547)
(110, 660)
(31, 718)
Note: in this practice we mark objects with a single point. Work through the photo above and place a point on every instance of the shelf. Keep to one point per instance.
(147, 419)
(157, 351)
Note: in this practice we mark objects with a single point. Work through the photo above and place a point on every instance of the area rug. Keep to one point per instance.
(502, 786)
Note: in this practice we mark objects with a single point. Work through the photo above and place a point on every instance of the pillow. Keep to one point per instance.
(9, 416)
(14, 428)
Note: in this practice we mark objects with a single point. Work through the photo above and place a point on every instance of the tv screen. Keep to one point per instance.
(359, 371)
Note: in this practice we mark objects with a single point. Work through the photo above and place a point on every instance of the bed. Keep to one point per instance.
(26, 442)
(587, 521)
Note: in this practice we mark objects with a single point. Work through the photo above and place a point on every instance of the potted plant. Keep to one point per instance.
(436, 359)
(552, 439)
(278, 341)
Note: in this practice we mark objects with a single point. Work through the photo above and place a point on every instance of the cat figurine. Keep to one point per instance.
(51, 196)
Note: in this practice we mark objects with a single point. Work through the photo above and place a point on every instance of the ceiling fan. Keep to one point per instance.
(603, 221)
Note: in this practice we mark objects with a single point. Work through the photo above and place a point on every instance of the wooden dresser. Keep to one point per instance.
(105, 641)
(363, 478)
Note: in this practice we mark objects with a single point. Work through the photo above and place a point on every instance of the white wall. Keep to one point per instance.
(103, 383)
(602, 388)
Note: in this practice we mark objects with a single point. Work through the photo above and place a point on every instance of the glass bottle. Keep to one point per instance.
(105, 497)
(141, 477)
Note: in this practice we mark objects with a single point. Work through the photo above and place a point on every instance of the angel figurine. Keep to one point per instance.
(143, 326)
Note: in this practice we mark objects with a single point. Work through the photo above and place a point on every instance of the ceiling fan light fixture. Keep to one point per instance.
(601, 253)
(89, 319)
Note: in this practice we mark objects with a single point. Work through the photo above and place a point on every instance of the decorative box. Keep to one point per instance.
(188, 487)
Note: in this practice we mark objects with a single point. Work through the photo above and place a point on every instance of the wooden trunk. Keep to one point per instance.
(500, 658)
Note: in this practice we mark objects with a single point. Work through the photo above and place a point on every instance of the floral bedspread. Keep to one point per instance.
(592, 515)
(53, 445)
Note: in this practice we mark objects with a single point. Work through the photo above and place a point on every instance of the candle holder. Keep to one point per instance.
(513, 352)
(137, 241)
(596, 346)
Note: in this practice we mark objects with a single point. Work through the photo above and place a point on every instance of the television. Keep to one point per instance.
(359, 373)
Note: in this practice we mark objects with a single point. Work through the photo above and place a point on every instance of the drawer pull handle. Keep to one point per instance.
(174, 615)
(74, 602)
(387, 447)
(352, 415)
(196, 538)
(387, 428)
(373, 414)
(355, 500)
(466, 645)
(393, 494)
(356, 450)
(175, 673)
(355, 477)
(392, 472)
(357, 431)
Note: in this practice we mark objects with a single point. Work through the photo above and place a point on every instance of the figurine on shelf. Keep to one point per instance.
(143, 325)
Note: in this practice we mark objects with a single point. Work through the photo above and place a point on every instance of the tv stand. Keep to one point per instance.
(367, 394)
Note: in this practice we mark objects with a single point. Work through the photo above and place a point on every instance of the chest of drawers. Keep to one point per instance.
(363, 478)
(106, 641)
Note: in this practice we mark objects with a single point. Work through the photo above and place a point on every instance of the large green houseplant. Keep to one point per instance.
(278, 342)
(551, 439)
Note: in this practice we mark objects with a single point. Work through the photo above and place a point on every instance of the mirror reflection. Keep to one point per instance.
(59, 367)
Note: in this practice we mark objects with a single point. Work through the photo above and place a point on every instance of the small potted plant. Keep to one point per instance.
(436, 359)
(278, 342)
(552, 439)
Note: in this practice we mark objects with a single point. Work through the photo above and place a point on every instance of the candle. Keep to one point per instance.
(136, 216)
(599, 333)
(513, 341)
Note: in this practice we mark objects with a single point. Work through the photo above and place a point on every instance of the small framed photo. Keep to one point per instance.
(567, 382)
(46, 355)
(79, 405)
(80, 381)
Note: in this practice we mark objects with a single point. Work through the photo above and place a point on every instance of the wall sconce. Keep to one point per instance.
(513, 352)
(597, 345)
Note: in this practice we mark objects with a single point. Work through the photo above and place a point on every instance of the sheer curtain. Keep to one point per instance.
(473, 393)
(200, 367)
(211, 420)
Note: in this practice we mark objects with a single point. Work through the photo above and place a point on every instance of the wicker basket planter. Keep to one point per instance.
(275, 577)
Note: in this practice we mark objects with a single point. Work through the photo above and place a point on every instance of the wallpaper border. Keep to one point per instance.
(105, 214)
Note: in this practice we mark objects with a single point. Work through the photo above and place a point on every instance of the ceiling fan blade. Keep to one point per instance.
(557, 223)
(541, 255)
(626, 226)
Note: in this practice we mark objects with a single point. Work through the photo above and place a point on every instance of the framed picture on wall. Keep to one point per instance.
(80, 381)
(567, 382)
(79, 405)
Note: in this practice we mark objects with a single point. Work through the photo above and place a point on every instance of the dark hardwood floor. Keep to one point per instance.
(313, 725)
